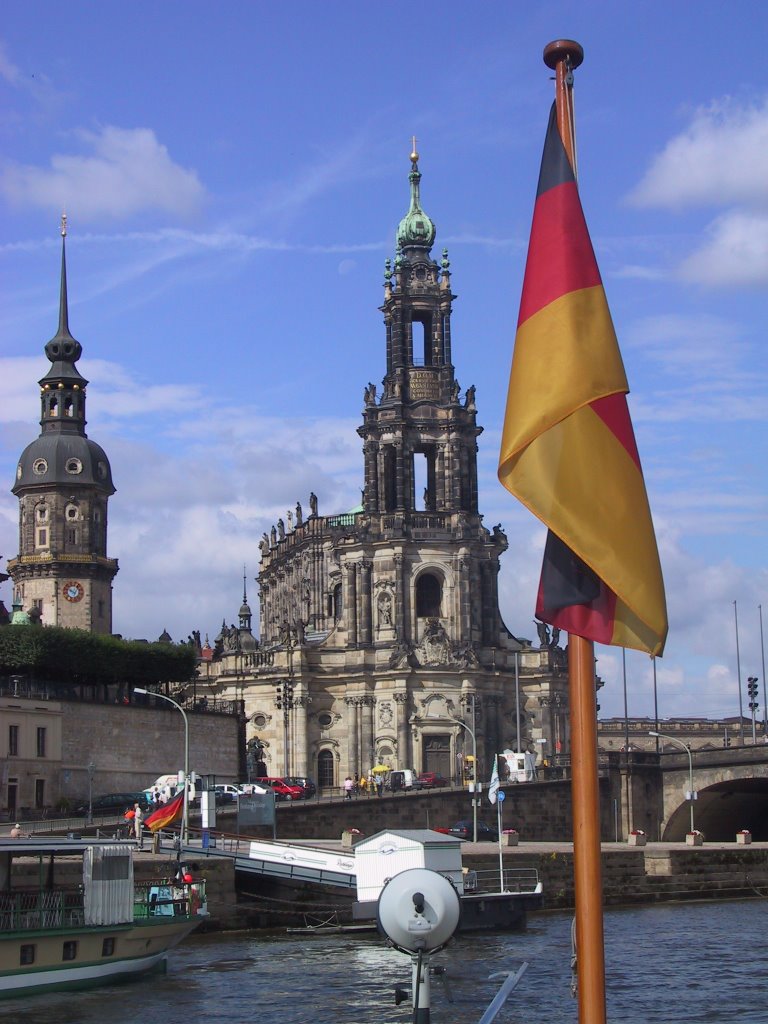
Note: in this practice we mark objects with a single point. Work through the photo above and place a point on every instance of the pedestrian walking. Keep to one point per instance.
(138, 818)
(348, 787)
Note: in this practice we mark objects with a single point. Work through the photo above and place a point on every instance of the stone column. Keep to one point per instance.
(367, 746)
(403, 732)
(399, 601)
(440, 479)
(353, 754)
(299, 752)
(399, 476)
(464, 594)
(365, 568)
(350, 603)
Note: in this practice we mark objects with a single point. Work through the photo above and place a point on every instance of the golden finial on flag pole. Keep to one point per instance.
(63, 225)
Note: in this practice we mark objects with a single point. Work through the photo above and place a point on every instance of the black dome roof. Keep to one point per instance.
(54, 459)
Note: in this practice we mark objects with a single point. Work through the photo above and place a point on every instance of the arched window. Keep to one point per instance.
(325, 768)
(429, 596)
(338, 602)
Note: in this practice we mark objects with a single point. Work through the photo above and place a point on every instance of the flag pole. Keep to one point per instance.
(563, 56)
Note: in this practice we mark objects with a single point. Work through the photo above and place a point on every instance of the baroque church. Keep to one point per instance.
(381, 640)
(62, 575)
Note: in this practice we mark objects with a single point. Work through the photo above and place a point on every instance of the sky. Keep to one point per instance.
(233, 175)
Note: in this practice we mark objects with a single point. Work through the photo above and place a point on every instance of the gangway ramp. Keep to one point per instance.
(286, 861)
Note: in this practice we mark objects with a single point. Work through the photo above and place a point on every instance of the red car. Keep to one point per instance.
(283, 791)
(431, 780)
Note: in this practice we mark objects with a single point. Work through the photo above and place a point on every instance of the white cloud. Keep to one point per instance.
(735, 253)
(124, 171)
(717, 160)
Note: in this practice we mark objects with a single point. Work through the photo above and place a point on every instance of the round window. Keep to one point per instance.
(259, 720)
(324, 719)
(40, 466)
(74, 466)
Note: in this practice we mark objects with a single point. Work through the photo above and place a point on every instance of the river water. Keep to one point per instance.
(697, 962)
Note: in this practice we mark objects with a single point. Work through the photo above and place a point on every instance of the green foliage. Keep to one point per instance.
(74, 656)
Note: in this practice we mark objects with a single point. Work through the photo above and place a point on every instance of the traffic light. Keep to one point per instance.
(284, 695)
(726, 739)
(752, 691)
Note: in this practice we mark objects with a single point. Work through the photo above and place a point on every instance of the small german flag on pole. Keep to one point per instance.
(568, 450)
(166, 814)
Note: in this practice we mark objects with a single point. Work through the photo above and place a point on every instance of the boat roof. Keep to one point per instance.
(60, 845)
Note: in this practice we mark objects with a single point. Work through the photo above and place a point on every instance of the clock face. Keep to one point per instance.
(73, 591)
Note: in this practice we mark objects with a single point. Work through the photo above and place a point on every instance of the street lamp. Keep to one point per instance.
(474, 754)
(284, 702)
(185, 812)
(679, 743)
(91, 770)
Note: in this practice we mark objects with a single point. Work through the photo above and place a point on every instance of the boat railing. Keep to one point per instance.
(32, 909)
(516, 880)
(166, 897)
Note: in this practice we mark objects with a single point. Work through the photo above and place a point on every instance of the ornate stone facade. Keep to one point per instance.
(385, 620)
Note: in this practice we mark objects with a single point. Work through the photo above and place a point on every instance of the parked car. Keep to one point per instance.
(226, 793)
(465, 830)
(283, 791)
(430, 780)
(116, 802)
(307, 786)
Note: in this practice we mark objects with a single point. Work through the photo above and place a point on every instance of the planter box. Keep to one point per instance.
(744, 838)
(637, 840)
(694, 840)
(507, 840)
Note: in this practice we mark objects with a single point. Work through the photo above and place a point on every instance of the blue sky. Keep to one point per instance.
(233, 175)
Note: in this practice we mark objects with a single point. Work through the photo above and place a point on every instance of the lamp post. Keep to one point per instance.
(284, 702)
(185, 811)
(91, 770)
(679, 743)
(474, 754)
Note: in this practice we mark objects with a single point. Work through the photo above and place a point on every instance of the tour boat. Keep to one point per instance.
(71, 915)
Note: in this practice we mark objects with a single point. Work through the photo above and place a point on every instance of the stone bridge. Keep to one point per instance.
(731, 786)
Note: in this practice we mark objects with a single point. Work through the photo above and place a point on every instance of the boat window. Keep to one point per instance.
(27, 953)
(108, 947)
(69, 950)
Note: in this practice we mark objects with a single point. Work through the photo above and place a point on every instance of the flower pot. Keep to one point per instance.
(744, 838)
(510, 840)
(635, 840)
(694, 839)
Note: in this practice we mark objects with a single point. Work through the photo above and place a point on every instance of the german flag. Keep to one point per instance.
(568, 450)
(166, 814)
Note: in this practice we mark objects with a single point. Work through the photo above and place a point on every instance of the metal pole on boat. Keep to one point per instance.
(185, 806)
(564, 56)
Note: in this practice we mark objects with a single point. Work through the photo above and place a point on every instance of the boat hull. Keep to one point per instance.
(136, 949)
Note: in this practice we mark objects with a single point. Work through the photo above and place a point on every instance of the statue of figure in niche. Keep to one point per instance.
(385, 609)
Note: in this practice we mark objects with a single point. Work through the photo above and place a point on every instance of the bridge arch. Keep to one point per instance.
(721, 810)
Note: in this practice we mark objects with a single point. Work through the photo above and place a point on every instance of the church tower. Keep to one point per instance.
(383, 621)
(63, 483)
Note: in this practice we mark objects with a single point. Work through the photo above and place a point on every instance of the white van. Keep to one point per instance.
(404, 778)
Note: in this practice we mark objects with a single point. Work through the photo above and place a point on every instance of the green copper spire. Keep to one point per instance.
(415, 228)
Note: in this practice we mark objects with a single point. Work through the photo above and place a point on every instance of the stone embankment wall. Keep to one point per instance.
(538, 812)
(654, 874)
(129, 751)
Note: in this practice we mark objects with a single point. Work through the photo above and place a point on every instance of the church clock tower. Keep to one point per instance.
(63, 483)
